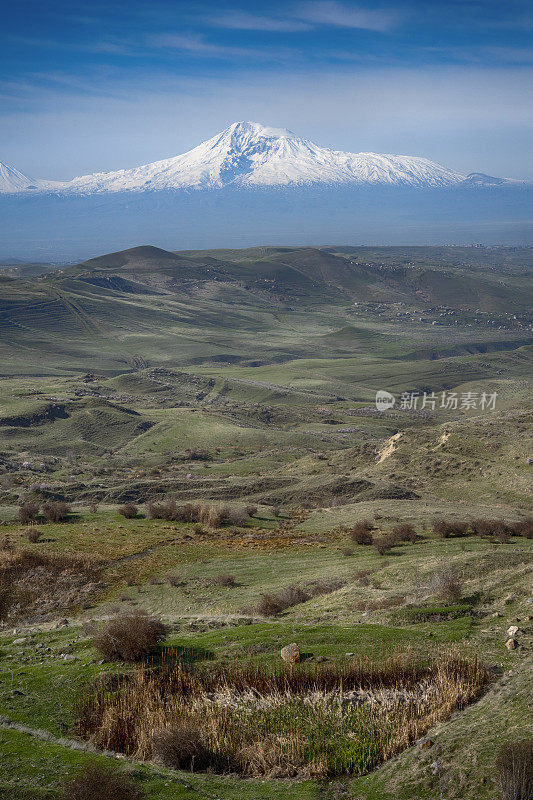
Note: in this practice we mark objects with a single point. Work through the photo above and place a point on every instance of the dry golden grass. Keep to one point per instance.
(36, 583)
(295, 722)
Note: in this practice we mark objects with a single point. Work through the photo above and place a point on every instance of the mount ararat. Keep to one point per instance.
(247, 154)
(252, 185)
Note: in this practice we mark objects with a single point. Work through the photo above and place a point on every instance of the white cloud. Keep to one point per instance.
(241, 20)
(198, 46)
(330, 12)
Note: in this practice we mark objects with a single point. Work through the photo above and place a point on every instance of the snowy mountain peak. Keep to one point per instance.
(11, 180)
(251, 155)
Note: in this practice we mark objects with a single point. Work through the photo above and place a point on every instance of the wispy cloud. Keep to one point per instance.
(330, 12)
(196, 45)
(307, 16)
(242, 20)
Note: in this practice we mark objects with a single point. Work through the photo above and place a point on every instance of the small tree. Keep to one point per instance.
(33, 535)
(251, 510)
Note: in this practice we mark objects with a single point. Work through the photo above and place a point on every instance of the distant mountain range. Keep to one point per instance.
(250, 155)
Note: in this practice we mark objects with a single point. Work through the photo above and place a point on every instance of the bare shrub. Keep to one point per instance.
(273, 603)
(514, 767)
(251, 510)
(175, 580)
(33, 535)
(404, 532)
(523, 528)
(217, 516)
(181, 747)
(129, 637)
(491, 527)
(445, 529)
(198, 455)
(167, 510)
(93, 507)
(56, 511)
(128, 510)
(98, 781)
(361, 532)
(383, 544)
(191, 512)
(276, 511)
(446, 584)
(28, 513)
(224, 579)
(347, 551)
(362, 576)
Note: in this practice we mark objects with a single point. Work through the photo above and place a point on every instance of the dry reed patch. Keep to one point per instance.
(33, 583)
(315, 722)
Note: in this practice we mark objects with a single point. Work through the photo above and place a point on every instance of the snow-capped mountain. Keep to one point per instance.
(248, 154)
(11, 180)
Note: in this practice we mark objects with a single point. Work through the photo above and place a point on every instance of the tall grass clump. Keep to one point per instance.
(214, 516)
(315, 721)
(514, 768)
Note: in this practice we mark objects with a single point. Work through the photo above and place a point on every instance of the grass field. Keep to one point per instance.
(245, 378)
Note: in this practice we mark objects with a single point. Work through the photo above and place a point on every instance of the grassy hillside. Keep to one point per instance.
(247, 379)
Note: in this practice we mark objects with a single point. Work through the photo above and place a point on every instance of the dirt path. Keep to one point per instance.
(389, 447)
(87, 747)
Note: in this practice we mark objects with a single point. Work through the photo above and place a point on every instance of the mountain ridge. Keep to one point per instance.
(251, 155)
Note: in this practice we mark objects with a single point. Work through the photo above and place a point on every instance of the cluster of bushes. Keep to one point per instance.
(362, 533)
(398, 535)
(129, 637)
(210, 515)
(273, 603)
(491, 528)
(53, 511)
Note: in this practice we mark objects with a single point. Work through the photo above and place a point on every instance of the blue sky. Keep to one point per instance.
(89, 86)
